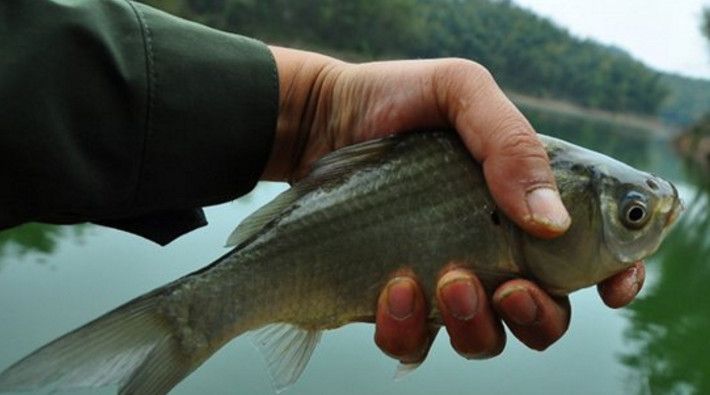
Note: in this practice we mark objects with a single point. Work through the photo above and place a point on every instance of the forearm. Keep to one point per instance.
(114, 109)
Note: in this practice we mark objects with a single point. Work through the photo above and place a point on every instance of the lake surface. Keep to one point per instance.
(53, 279)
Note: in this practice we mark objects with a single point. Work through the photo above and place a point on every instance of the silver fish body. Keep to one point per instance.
(317, 257)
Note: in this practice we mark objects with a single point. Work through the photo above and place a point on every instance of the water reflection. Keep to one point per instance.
(35, 238)
(669, 326)
(621, 142)
(664, 340)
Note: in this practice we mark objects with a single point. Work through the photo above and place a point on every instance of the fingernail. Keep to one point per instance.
(518, 306)
(546, 208)
(459, 295)
(400, 298)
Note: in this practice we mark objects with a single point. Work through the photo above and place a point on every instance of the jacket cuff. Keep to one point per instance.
(212, 110)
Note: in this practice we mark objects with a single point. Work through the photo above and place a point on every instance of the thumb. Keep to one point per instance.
(517, 170)
(515, 164)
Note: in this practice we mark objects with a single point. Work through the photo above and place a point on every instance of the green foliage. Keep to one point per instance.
(530, 54)
(701, 128)
(35, 238)
(670, 322)
(687, 101)
(176, 7)
(368, 28)
(669, 326)
(525, 52)
(206, 6)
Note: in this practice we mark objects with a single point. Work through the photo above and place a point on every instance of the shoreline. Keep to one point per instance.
(652, 125)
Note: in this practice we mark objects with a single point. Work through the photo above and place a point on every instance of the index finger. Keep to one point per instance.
(515, 164)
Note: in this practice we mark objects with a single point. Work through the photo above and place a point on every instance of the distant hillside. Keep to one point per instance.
(687, 101)
(525, 52)
(531, 54)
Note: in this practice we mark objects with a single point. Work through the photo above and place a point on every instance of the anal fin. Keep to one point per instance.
(286, 349)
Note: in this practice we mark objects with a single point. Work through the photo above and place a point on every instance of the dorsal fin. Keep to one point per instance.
(339, 164)
(331, 169)
(252, 224)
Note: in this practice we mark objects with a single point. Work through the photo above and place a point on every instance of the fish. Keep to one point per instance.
(316, 257)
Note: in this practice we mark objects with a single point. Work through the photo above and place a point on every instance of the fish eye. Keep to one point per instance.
(634, 213)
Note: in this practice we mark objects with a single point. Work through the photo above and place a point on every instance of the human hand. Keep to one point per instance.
(326, 104)
(472, 319)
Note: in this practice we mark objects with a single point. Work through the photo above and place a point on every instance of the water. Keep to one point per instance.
(53, 279)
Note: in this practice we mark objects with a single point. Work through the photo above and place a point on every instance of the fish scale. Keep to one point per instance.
(345, 247)
(318, 256)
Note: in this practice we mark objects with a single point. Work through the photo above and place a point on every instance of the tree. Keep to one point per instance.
(525, 52)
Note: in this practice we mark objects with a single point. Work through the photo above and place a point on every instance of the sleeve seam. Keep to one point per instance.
(151, 82)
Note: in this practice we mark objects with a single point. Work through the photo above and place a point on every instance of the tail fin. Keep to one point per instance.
(130, 346)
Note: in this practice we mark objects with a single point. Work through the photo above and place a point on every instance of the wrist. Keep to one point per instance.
(305, 82)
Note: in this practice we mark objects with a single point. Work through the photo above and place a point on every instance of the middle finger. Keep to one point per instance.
(474, 329)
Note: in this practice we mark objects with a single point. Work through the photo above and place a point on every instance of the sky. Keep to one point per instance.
(664, 34)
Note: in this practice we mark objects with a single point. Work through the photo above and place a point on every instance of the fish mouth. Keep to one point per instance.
(677, 208)
(675, 212)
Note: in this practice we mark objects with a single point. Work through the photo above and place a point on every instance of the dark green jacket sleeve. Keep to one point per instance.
(114, 112)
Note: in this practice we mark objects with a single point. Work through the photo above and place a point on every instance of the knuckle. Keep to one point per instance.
(481, 73)
(464, 70)
(462, 84)
(518, 155)
(516, 138)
